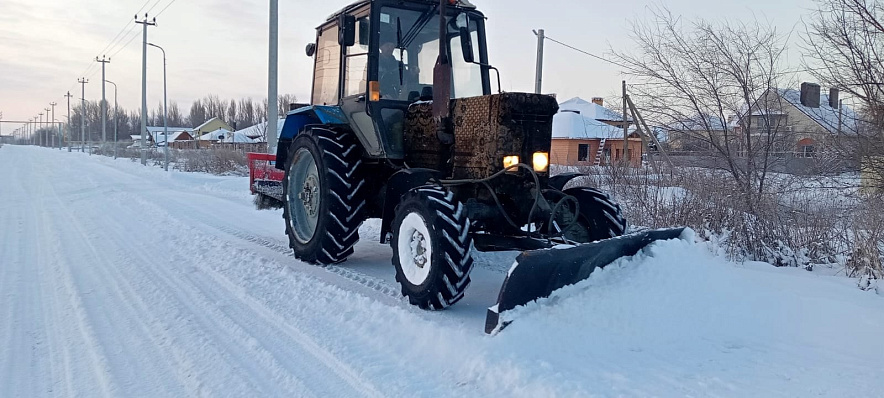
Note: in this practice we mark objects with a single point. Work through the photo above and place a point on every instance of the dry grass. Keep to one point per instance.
(213, 161)
(798, 221)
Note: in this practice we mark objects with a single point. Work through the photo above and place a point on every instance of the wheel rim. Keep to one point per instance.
(576, 228)
(415, 249)
(304, 198)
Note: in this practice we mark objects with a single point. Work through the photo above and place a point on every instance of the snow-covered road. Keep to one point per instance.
(123, 280)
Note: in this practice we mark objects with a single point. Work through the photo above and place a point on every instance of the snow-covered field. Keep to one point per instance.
(123, 280)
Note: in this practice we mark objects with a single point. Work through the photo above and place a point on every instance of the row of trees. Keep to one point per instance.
(238, 114)
(712, 73)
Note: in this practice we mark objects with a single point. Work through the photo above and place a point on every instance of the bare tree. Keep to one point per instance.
(231, 115)
(175, 117)
(283, 102)
(215, 106)
(197, 114)
(246, 112)
(698, 76)
(844, 48)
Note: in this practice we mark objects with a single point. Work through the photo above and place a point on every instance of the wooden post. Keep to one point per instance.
(625, 128)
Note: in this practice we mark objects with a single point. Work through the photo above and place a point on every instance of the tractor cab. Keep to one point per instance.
(375, 58)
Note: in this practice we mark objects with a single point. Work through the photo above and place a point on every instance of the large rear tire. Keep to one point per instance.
(323, 195)
(600, 216)
(432, 248)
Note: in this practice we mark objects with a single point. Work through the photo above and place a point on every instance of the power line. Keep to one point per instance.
(134, 32)
(652, 83)
(167, 6)
(121, 37)
(131, 35)
(112, 42)
(153, 6)
(588, 53)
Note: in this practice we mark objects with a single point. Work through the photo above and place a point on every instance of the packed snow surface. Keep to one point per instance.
(122, 280)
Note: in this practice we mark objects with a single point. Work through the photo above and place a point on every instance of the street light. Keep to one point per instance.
(115, 117)
(165, 121)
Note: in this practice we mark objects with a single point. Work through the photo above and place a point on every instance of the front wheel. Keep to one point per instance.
(432, 248)
(600, 217)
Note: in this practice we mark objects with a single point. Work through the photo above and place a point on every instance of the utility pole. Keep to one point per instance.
(273, 72)
(145, 23)
(103, 100)
(40, 127)
(45, 124)
(53, 104)
(83, 82)
(538, 82)
(68, 137)
(47, 137)
(625, 129)
(116, 114)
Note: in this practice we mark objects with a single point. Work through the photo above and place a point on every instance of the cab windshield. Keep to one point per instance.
(409, 46)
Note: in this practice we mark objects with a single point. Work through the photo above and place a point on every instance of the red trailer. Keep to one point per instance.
(265, 180)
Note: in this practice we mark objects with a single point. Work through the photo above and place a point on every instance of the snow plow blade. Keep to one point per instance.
(538, 273)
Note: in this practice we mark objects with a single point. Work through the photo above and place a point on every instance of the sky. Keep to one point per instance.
(220, 46)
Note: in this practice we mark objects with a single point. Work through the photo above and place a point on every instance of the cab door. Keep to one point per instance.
(355, 85)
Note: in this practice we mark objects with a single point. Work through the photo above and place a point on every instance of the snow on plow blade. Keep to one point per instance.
(538, 273)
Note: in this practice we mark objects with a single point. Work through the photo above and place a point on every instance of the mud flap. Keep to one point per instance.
(538, 273)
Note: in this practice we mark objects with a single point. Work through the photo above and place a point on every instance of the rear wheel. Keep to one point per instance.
(323, 196)
(432, 248)
(600, 217)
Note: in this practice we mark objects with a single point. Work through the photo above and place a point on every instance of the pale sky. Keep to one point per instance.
(220, 47)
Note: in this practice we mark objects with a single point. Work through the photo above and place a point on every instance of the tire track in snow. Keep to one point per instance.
(221, 252)
(277, 246)
(22, 332)
(103, 276)
(138, 313)
(129, 294)
(69, 304)
(339, 368)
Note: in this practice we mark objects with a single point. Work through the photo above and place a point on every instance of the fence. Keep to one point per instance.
(214, 145)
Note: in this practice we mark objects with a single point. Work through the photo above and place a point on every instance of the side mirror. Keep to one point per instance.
(466, 46)
(311, 49)
(346, 30)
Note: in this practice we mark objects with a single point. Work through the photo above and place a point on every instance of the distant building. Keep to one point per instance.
(216, 135)
(158, 137)
(587, 134)
(209, 126)
(806, 120)
(791, 123)
(693, 133)
(258, 132)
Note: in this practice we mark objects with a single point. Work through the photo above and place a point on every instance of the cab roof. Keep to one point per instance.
(359, 3)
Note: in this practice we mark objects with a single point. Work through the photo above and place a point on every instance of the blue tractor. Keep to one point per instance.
(403, 126)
